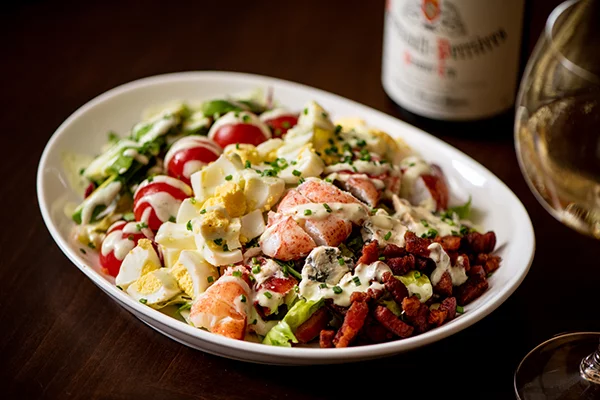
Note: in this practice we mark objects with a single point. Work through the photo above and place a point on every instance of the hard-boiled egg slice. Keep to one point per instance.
(206, 181)
(189, 209)
(307, 165)
(313, 115)
(253, 225)
(262, 192)
(154, 288)
(175, 236)
(193, 274)
(139, 261)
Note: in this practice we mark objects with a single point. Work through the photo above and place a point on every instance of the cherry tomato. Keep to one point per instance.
(190, 154)
(280, 125)
(120, 238)
(239, 133)
(157, 200)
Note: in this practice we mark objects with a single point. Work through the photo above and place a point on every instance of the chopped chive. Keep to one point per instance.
(172, 219)
(412, 164)
(189, 225)
(228, 177)
(119, 287)
(243, 298)
(382, 258)
(323, 285)
(425, 223)
(82, 250)
(252, 278)
(210, 279)
(337, 290)
(193, 200)
(418, 296)
(296, 172)
(356, 281)
(387, 236)
(307, 212)
(338, 129)
(141, 225)
(254, 322)
(286, 125)
(460, 309)
(256, 269)
(130, 237)
(301, 180)
(417, 275)
(81, 171)
(464, 230)
(361, 143)
(151, 179)
(296, 288)
(246, 118)
(328, 180)
(237, 274)
(184, 307)
(225, 247)
(91, 245)
(294, 162)
(237, 146)
(306, 111)
(254, 260)
(143, 301)
(341, 261)
(203, 211)
(218, 241)
(247, 164)
(268, 295)
(454, 233)
(324, 114)
(488, 275)
(327, 207)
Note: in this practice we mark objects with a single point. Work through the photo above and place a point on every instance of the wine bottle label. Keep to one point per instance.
(452, 59)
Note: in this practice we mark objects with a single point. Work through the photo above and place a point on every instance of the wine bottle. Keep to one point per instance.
(452, 60)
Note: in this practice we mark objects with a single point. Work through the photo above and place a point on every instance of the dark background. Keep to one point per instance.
(61, 337)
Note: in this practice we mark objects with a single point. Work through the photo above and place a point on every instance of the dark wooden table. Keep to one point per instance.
(61, 337)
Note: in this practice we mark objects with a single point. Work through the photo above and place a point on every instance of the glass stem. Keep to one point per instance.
(590, 367)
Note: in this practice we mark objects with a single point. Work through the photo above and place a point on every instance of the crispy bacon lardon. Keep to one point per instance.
(370, 253)
(449, 243)
(416, 245)
(395, 287)
(472, 288)
(475, 242)
(310, 329)
(326, 338)
(391, 251)
(392, 323)
(489, 262)
(444, 286)
(401, 265)
(449, 305)
(437, 317)
(416, 313)
(353, 323)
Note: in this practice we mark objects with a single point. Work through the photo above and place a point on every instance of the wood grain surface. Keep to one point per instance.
(61, 337)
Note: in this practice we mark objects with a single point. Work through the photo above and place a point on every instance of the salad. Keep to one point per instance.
(280, 226)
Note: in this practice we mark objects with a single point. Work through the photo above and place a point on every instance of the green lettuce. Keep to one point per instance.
(463, 211)
(283, 333)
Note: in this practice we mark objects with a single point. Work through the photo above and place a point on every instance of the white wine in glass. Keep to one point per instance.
(557, 138)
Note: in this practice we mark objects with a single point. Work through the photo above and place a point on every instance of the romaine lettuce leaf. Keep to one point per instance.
(283, 333)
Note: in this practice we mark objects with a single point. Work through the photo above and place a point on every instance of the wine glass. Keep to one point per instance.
(557, 138)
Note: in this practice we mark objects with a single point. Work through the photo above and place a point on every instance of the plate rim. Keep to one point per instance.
(290, 353)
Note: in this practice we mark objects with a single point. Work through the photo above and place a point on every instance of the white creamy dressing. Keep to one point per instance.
(412, 168)
(133, 153)
(101, 163)
(119, 242)
(168, 180)
(372, 168)
(100, 197)
(269, 269)
(257, 325)
(354, 212)
(365, 277)
(164, 205)
(275, 113)
(196, 121)
(423, 292)
(343, 177)
(190, 142)
(384, 228)
(192, 166)
(237, 117)
(420, 219)
(160, 126)
(442, 262)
